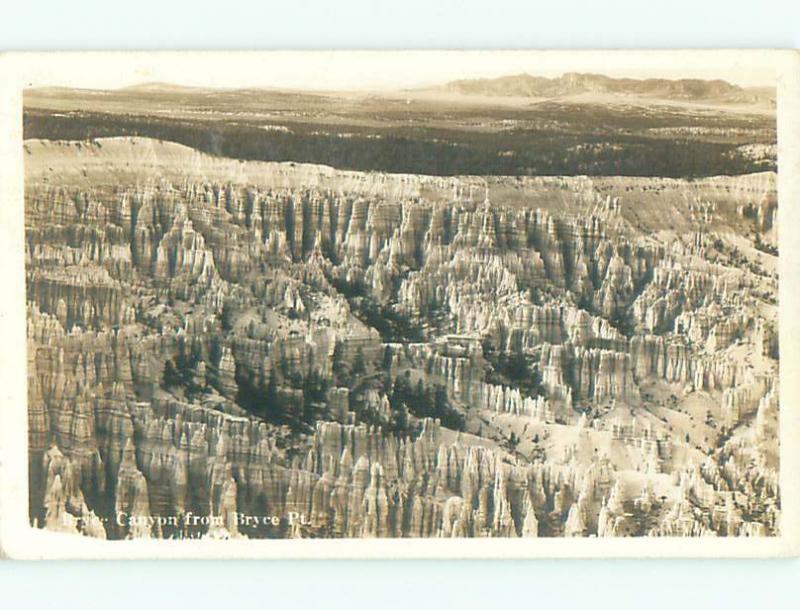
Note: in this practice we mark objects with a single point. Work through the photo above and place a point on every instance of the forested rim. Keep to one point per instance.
(423, 150)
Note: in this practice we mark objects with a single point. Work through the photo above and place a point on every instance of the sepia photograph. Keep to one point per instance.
(442, 297)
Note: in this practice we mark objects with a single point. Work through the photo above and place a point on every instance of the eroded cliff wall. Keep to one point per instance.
(241, 349)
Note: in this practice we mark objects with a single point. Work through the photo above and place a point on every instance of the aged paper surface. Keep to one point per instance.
(399, 304)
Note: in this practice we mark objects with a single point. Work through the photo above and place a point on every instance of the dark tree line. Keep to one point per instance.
(423, 400)
(420, 149)
(393, 326)
(297, 402)
(179, 371)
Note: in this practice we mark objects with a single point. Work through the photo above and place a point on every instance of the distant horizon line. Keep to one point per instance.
(401, 88)
(359, 71)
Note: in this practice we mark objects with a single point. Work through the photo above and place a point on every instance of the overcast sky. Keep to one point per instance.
(348, 70)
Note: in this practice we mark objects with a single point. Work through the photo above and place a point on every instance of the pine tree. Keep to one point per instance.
(359, 364)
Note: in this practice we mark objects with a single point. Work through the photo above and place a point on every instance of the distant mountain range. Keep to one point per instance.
(572, 86)
(573, 83)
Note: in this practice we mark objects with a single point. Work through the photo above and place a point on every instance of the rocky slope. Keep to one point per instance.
(225, 349)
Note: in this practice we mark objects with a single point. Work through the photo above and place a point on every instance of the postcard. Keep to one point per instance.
(400, 304)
